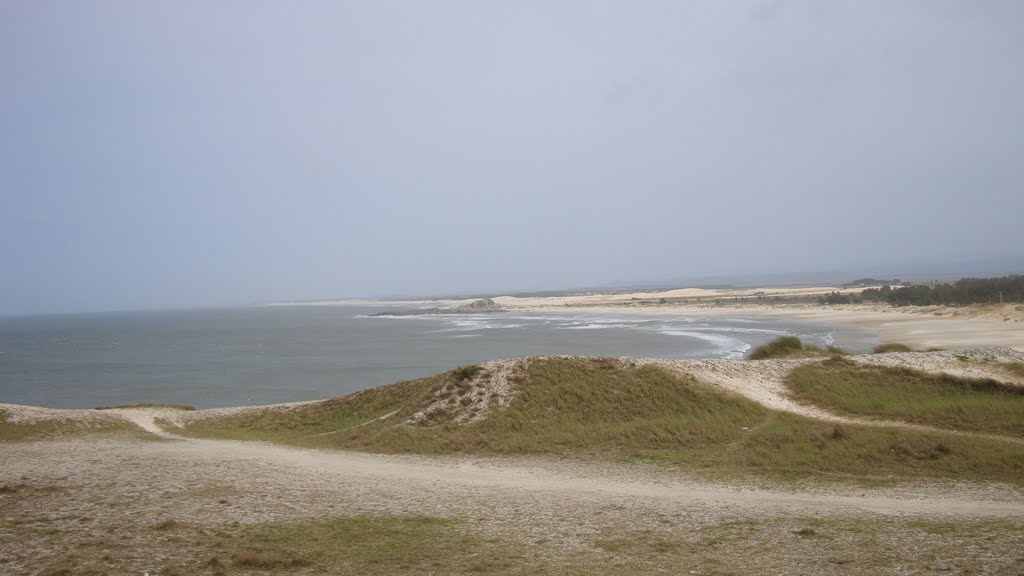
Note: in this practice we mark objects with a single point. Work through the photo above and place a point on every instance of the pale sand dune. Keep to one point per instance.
(628, 298)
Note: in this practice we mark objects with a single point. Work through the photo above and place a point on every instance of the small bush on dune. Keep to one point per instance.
(467, 372)
(895, 347)
(783, 346)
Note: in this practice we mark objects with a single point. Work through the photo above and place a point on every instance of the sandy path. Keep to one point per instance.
(145, 419)
(446, 482)
(498, 474)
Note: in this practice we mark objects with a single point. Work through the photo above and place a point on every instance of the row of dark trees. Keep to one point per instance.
(962, 292)
(840, 298)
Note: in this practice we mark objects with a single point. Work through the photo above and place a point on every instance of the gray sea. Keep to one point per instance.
(264, 355)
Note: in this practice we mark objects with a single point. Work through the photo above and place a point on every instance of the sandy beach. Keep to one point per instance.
(921, 327)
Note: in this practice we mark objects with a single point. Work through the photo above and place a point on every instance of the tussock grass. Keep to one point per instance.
(602, 409)
(976, 405)
(1015, 368)
(463, 373)
(790, 347)
(894, 347)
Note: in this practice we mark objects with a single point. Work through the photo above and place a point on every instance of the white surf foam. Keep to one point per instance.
(732, 347)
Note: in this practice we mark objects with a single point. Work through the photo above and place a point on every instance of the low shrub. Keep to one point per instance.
(894, 347)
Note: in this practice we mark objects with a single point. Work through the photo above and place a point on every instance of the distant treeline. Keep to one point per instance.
(962, 292)
(870, 282)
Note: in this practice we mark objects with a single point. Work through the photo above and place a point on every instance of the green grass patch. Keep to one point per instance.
(894, 347)
(602, 409)
(976, 405)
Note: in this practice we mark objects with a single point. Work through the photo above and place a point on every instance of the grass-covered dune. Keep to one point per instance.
(611, 409)
(904, 394)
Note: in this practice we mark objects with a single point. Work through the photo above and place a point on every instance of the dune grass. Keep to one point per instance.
(1015, 368)
(894, 347)
(565, 406)
(346, 422)
(790, 347)
(602, 409)
(976, 405)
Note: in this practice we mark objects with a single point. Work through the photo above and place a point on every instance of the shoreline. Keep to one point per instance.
(921, 327)
(918, 327)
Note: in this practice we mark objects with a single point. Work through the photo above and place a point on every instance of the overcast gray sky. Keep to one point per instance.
(184, 153)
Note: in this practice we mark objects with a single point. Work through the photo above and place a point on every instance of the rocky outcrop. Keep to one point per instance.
(482, 305)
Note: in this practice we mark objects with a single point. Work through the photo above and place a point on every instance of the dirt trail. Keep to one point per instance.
(145, 419)
(448, 478)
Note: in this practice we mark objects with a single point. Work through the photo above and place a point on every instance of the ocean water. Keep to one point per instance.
(263, 355)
